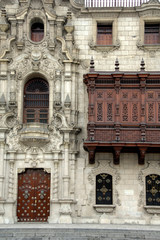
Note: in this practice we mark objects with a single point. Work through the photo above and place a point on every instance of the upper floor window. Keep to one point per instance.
(37, 31)
(104, 34)
(153, 189)
(152, 33)
(36, 101)
(104, 189)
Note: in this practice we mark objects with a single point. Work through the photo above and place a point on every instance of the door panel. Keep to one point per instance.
(33, 203)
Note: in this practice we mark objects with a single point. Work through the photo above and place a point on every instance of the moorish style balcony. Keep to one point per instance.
(123, 112)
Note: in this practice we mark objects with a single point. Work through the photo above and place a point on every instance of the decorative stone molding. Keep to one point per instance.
(64, 50)
(152, 209)
(149, 13)
(21, 170)
(104, 167)
(33, 156)
(34, 134)
(104, 208)
(152, 49)
(6, 47)
(150, 168)
(35, 58)
(29, 136)
(104, 49)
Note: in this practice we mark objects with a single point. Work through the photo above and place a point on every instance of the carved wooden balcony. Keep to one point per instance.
(123, 113)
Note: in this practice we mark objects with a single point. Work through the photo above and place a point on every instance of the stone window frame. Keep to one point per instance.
(140, 44)
(33, 17)
(105, 167)
(115, 42)
(152, 167)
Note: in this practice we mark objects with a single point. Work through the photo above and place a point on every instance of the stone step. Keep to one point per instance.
(72, 232)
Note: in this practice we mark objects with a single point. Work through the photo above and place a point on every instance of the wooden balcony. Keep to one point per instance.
(123, 112)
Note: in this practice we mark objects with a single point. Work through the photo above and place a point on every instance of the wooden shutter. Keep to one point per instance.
(104, 34)
(36, 101)
(37, 32)
(152, 34)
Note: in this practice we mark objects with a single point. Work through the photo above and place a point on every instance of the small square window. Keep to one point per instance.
(152, 33)
(104, 34)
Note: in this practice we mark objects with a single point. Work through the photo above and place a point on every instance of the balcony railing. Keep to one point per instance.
(114, 3)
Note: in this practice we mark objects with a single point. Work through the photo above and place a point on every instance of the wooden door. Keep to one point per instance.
(33, 203)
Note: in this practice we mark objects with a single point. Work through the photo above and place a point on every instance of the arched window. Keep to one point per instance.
(37, 31)
(36, 101)
(153, 189)
(104, 189)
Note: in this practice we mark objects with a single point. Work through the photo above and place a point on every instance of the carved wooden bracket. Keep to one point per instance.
(141, 157)
(116, 154)
(91, 151)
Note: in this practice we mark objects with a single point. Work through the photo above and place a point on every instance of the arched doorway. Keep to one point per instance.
(33, 204)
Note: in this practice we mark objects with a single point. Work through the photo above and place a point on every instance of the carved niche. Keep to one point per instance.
(104, 167)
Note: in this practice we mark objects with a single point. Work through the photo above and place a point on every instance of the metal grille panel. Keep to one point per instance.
(104, 189)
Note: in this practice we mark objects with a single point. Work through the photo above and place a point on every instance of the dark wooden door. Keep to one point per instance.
(33, 203)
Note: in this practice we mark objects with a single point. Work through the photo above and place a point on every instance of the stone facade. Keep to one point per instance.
(61, 58)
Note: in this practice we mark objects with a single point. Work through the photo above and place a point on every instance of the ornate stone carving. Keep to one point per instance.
(13, 139)
(6, 46)
(55, 180)
(36, 4)
(104, 49)
(105, 166)
(34, 155)
(11, 180)
(21, 170)
(35, 58)
(152, 49)
(65, 209)
(55, 139)
(8, 120)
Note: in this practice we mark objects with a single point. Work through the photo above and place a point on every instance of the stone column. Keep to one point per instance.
(2, 170)
(10, 203)
(55, 180)
(11, 180)
(54, 204)
(20, 35)
(60, 21)
(57, 100)
(51, 34)
(67, 89)
(13, 26)
(72, 175)
(66, 171)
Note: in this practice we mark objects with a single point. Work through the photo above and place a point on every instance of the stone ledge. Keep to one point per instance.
(104, 208)
(152, 209)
